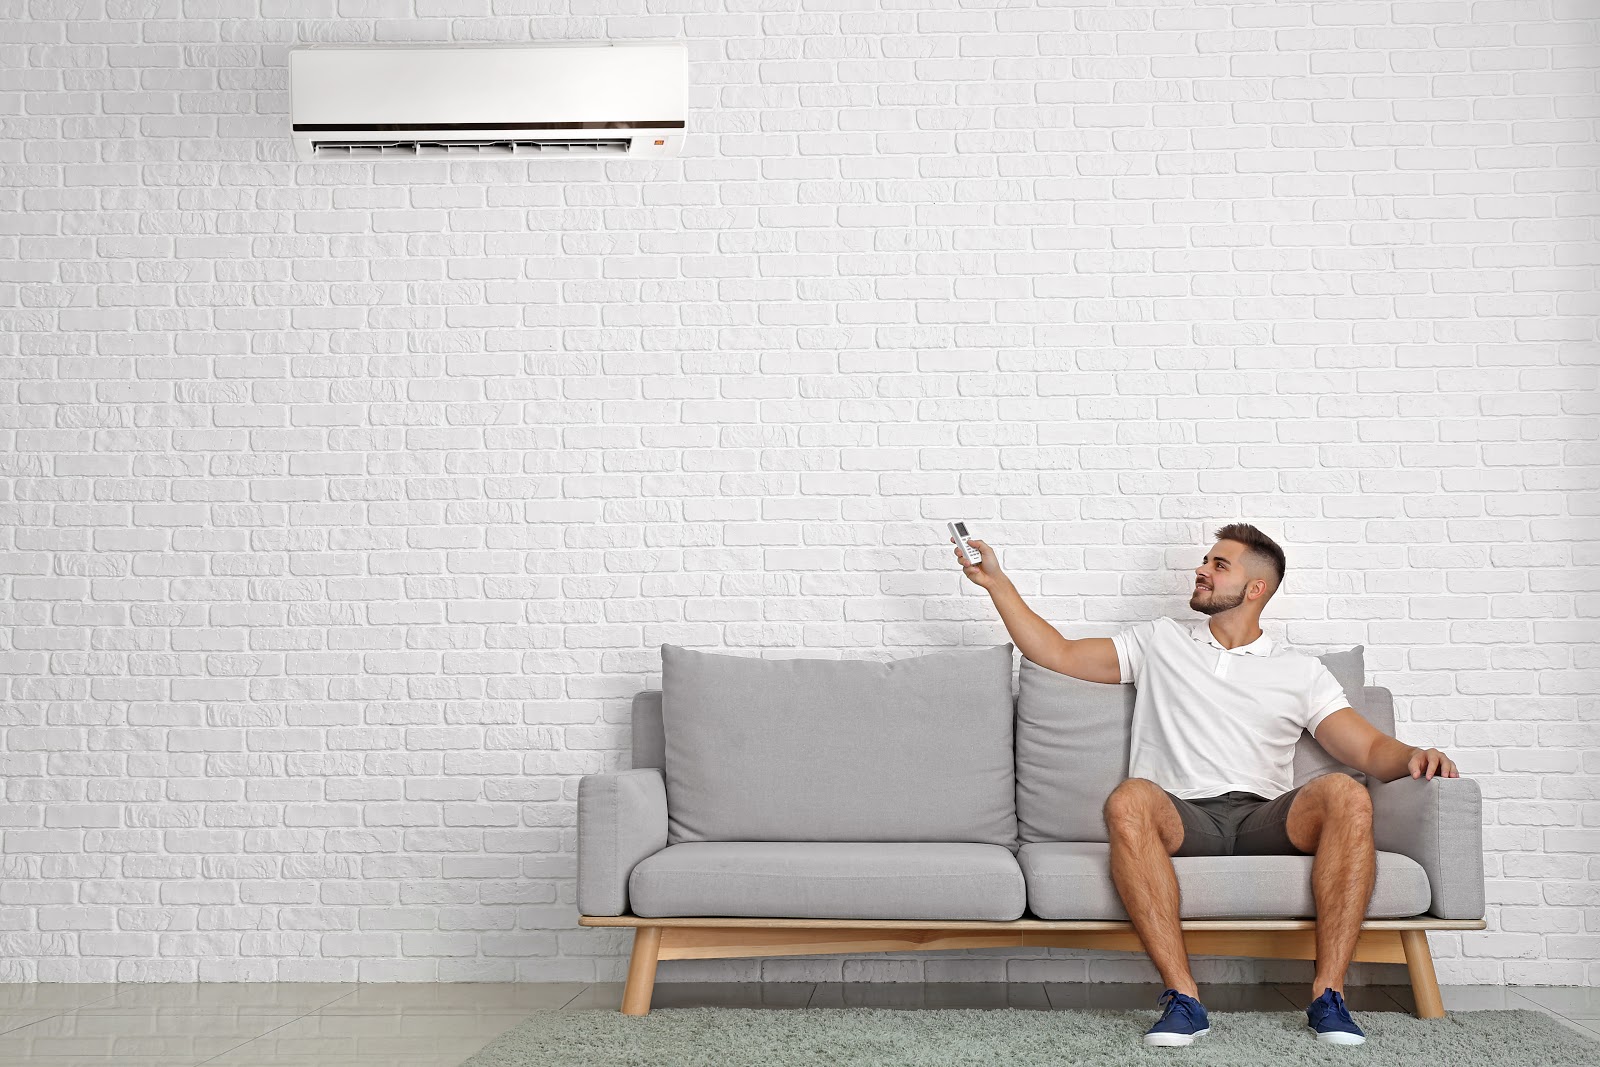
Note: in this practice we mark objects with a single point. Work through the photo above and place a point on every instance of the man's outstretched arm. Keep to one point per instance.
(1094, 659)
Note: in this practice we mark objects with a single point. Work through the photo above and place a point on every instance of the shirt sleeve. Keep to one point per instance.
(1131, 645)
(1326, 697)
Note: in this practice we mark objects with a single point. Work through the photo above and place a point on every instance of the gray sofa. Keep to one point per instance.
(790, 806)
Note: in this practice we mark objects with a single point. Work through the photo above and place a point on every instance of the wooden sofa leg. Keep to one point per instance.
(1424, 982)
(642, 971)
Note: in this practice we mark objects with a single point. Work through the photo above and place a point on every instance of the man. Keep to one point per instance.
(1218, 711)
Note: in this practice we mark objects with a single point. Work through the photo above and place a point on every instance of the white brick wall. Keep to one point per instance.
(345, 507)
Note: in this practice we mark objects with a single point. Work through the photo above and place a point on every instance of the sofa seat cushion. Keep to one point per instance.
(829, 880)
(1072, 880)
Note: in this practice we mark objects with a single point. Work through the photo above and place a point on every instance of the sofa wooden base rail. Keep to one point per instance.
(1382, 941)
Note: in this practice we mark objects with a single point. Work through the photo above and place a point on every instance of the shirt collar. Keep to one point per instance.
(1261, 646)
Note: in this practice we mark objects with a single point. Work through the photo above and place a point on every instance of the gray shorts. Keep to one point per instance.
(1236, 824)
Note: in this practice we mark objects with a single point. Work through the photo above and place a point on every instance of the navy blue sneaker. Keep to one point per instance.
(1331, 1020)
(1182, 1022)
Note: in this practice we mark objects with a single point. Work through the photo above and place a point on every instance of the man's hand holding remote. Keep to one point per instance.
(986, 574)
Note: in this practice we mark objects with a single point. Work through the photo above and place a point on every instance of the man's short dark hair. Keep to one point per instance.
(1259, 545)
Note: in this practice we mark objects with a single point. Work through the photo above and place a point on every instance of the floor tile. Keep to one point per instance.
(1029, 996)
(1467, 998)
(1356, 997)
(94, 1059)
(1575, 1002)
(731, 994)
(1590, 1029)
(912, 996)
(191, 998)
(1119, 996)
(598, 996)
(408, 1040)
(471, 998)
(19, 998)
(20, 1019)
(167, 1038)
(1101, 996)
(448, 1057)
(903, 996)
(1227, 997)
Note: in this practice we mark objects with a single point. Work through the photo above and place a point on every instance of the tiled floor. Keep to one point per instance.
(346, 1025)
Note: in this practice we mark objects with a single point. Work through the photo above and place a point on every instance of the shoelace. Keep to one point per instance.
(1337, 1006)
(1170, 1002)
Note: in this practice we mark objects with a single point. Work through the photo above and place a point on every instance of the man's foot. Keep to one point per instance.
(1182, 1022)
(1331, 1020)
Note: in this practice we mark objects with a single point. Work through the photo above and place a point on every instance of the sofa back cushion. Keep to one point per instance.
(1072, 750)
(1072, 746)
(649, 737)
(916, 749)
(1349, 669)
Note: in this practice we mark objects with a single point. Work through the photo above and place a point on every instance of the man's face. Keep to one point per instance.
(1220, 580)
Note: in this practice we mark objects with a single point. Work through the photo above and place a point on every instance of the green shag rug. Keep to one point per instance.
(1016, 1037)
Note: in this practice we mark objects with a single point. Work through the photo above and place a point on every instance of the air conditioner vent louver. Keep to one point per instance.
(467, 149)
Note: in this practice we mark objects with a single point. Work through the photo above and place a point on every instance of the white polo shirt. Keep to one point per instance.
(1209, 720)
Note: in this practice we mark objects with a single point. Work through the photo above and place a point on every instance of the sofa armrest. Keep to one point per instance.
(1438, 823)
(622, 818)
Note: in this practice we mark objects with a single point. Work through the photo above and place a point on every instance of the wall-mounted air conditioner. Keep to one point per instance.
(565, 100)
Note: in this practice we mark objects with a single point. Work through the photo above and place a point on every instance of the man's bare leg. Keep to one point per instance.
(1332, 817)
(1145, 831)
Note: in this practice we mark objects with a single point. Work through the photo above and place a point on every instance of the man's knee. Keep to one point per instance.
(1131, 807)
(1342, 801)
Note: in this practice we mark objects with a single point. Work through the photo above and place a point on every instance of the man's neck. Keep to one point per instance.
(1233, 633)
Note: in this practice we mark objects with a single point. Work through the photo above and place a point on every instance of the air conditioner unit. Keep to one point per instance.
(561, 100)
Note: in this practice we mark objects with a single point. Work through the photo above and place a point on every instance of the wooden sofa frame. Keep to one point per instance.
(1382, 941)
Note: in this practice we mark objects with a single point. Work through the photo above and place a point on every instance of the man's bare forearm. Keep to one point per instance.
(1386, 759)
(1034, 637)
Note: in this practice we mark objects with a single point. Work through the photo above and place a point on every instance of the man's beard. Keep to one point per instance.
(1210, 602)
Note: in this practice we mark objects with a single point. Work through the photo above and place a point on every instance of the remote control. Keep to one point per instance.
(958, 530)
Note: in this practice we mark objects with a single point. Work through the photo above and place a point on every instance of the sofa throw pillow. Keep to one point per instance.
(916, 749)
(1073, 739)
